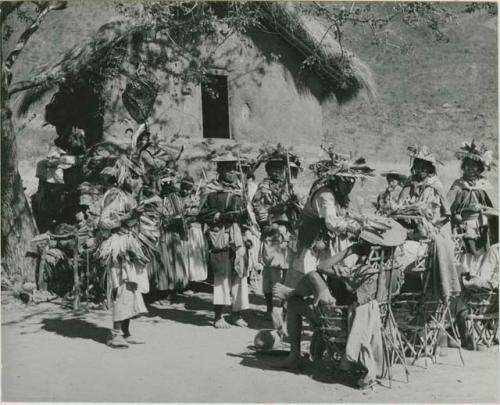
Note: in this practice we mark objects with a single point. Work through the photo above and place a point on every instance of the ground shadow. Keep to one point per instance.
(192, 310)
(76, 328)
(25, 318)
(321, 371)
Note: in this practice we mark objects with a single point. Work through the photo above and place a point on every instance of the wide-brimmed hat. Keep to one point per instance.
(423, 153)
(394, 173)
(383, 231)
(187, 180)
(226, 157)
(477, 152)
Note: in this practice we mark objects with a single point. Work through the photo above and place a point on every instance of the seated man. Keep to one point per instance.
(349, 286)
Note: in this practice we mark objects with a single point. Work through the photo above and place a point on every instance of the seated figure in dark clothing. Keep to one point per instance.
(357, 285)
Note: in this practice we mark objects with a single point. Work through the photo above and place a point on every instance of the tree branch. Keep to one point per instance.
(26, 35)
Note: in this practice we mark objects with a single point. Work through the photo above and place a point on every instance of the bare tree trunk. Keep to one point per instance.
(18, 227)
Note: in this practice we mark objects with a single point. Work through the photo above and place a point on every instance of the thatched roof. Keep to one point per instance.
(342, 72)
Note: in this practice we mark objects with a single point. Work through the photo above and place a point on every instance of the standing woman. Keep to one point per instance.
(121, 249)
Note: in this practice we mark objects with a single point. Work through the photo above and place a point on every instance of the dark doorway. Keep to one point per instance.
(215, 107)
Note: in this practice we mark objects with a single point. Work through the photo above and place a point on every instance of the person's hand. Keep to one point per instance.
(137, 211)
(141, 128)
(294, 198)
(325, 298)
(217, 216)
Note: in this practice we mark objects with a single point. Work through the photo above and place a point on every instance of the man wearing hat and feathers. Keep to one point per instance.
(271, 204)
(424, 210)
(223, 210)
(469, 197)
(326, 224)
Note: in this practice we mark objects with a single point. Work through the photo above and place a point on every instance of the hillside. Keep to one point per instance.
(433, 92)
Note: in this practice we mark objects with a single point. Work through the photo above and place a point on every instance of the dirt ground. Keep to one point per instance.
(53, 354)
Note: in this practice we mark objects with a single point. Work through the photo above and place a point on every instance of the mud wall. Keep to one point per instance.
(269, 98)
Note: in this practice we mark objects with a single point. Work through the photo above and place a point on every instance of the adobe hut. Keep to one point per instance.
(266, 84)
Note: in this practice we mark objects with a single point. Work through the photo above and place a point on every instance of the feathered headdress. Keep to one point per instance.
(473, 151)
(278, 153)
(423, 153)
(341, 165)
(122, 169)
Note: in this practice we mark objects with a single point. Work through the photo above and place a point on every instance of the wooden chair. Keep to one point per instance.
(459, 246)
(423, 317)
(481, 318)
(335, 321)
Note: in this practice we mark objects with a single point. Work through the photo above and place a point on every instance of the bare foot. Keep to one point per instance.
(117, 342)
(281, 291)
(221, 324)
(291, 363)
(239, 322)
(134, 340)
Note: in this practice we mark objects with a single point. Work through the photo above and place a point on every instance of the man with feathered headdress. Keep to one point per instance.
(272, 204)
(469, 197)
(424, 210)
(326, 224)
(123, 247)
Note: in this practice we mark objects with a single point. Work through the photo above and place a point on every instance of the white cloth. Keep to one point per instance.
(364, 344)
(198, 253)
(231, 290)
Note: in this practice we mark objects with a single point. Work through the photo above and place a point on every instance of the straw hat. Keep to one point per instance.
(473, 151)
(394, 173)
(225, 157)
(423, 153)
(383, 231)
(187, 180)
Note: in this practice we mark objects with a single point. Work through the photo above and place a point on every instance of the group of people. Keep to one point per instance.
(154, 225)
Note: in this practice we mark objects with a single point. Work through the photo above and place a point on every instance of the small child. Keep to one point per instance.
(387, 200)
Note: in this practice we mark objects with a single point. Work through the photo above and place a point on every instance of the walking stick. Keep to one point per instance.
(76, 277)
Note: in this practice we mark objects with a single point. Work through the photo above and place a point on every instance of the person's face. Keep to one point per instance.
(135, 183)
(80, 216)
(343, 186)
(276, 171)
(186, 189)
(392, 181)
(420, 169)
(364, 247)
(471, 168)
(227, 172)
